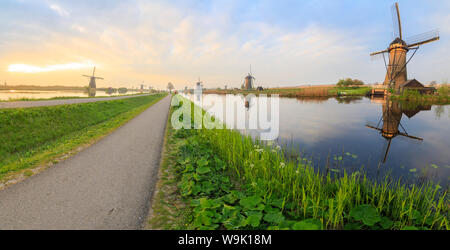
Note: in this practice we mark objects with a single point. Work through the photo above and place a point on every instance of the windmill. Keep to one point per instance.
(396, 74)
(92, 84)
(391, 118)
(248, 85)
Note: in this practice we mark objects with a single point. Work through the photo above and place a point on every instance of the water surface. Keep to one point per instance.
(402, 140)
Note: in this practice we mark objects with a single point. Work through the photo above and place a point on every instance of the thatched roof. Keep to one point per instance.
(412, 84)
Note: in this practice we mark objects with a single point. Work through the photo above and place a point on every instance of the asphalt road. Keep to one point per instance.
(32, 104)
(107, 186)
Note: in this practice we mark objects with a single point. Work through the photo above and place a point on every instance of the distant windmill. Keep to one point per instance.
(396, 69)
(248, 85)
(92, 84)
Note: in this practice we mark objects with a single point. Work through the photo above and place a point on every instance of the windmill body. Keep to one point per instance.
(396, 75)
(92, 83)
(248, 83)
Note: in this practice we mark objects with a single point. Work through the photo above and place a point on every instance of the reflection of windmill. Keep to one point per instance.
(396, 69)
(249, 80)
(92, 84)
(392, 116)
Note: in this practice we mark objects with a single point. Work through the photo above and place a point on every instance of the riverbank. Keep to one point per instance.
(36, 138)
(309, 91)
(65, 98)
(442, 96)
(227, 181)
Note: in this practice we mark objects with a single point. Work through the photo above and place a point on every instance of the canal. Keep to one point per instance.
(378, 137)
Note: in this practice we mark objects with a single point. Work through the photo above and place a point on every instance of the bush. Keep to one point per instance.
(349, 82)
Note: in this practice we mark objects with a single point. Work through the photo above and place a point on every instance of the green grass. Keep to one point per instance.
(235, 182)
(350, 91)
(169, 210)
(36, 136)
(441, 97)
(63, 98)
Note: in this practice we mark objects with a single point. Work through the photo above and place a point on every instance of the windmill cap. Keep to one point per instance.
(398, 40)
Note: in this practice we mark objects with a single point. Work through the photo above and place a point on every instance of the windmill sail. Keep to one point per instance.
(423, 38)
(396, 21)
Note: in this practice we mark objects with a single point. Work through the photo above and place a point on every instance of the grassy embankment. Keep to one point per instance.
(441, 97)
(218, 179)
(35, 137)
(65, 98)
(313, 91)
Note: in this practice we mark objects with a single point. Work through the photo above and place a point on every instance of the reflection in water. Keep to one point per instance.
(92, 92)
(391, 122)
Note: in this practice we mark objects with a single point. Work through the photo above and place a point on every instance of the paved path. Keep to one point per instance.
(107, 186)
(32, 104)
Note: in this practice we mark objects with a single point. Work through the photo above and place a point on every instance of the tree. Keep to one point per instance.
(349, 82)
(170, 87)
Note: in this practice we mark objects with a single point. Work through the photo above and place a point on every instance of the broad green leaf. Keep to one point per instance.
(386, 223)
(410, 228)
(203, 170)
(365, 213)
(254, 220)
(250, 202)
(309, 224)
(202, 162)
(276, 218)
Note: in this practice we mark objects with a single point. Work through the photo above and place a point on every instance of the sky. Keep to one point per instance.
(286, 42)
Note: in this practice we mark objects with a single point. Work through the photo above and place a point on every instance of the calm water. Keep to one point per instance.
(383, 137)
(32, 94)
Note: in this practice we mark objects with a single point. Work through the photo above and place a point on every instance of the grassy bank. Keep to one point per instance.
(65, 98)
(442, 96)
(36, 136)
(313, 91)
(228, 181)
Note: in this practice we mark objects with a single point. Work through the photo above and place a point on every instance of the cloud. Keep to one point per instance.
(59, 10)
(24, 68)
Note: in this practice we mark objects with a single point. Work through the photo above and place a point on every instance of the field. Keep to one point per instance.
(36, 136)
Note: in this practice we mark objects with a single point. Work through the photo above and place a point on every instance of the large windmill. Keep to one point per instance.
(92, 84)
(396, 69)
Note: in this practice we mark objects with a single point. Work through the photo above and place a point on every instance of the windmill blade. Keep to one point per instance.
(373, 127)
(86, 76)
(423, 38)
(101, 78)
(379, 52)
(410, 136)
(93, 73)
(396, 22)
(388, 146)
